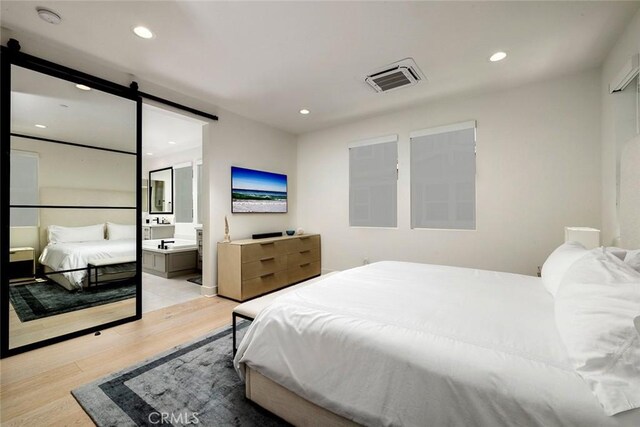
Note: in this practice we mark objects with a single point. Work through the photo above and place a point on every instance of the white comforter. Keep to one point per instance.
(410, 344)
(68, 256)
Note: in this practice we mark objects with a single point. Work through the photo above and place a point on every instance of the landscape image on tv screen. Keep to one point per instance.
(258, 191)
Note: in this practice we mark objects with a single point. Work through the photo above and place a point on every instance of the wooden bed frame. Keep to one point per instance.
(286, 404)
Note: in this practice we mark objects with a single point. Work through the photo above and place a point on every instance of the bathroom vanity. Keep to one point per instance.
(158, 231)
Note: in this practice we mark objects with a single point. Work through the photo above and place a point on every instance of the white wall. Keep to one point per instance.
(245, 143)
(628, 44)
(233, 140)
(538, 170)
(150, 163)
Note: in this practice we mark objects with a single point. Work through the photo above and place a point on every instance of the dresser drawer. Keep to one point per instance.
(304, 271)
(304, 243)
(263, 284)
(258, 251)
(264, 266)
(303, 257)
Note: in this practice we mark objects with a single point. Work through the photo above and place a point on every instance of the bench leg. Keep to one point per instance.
(234, 334)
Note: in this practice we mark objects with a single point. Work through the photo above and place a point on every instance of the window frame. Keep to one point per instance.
(393, 138)
(437, 130)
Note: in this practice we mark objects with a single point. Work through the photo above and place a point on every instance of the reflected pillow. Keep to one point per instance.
(595, 308)
(60, 234)
(120, 231)
(557, 264)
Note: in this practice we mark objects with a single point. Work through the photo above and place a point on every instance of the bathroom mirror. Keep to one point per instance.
(161, 191)
(70, 190)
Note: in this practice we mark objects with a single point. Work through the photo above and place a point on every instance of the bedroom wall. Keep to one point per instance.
(233, 140)
(627, 45)
(538, 170)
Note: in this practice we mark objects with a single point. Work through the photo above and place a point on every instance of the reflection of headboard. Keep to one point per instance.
(81, 217)
(630, 195)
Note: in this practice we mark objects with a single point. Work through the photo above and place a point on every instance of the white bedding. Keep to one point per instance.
(68, 256)
(397, 343)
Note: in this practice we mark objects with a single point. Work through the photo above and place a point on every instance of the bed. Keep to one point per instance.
(396, 343)
(69, 253)
(78, 257)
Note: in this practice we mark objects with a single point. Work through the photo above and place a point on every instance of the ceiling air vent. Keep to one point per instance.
(394, 76)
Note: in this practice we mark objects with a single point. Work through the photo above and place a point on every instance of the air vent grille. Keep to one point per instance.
(397, 75)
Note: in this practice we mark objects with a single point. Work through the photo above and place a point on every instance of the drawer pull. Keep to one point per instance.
(267, 275)
(305, 264)
(305, 252)
(267, 259)
(265, 244)
(305, 238)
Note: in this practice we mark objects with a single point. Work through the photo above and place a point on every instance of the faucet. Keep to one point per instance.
(163, 244)
(156, 220)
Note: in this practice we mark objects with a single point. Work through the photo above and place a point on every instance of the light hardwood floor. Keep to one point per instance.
(35, 386)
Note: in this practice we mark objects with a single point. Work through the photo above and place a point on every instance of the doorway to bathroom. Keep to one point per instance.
(172, 208)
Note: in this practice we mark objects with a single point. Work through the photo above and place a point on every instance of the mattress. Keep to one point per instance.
(397, 343)
(77, 255)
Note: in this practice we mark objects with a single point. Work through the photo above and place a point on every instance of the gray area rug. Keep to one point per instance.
(43, 299)
(193, 384)
(196, 280)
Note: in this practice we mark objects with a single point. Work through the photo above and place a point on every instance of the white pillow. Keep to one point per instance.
(120, 231)
(59, 234)
(633, 259)
(595, 309)
(558, 263)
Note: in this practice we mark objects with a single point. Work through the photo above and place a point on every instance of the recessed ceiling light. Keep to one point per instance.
(304, 111)
(83, 87)
(41, 126)
(143, 32)
(172, 142)
(48, 15)
(498, 56)
(149, 154)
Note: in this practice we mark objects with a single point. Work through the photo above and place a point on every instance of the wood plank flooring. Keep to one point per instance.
(35, 386)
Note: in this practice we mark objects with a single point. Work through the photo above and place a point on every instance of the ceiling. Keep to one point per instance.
(267, 60)
(69, 114)
(95, 118)
(162, 127)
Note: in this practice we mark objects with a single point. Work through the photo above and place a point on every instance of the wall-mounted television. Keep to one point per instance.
(254, 191)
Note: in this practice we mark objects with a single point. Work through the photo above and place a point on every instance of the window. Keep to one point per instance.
(24, 188)
(373, 182)
(199, 193)
(443, 177)
(183, 205)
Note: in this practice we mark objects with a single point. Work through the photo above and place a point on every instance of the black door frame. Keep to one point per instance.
(9, 56)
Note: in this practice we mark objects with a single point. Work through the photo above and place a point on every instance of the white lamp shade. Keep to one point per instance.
(589, 237)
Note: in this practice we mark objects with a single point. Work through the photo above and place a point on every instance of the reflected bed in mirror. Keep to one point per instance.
(161, 191)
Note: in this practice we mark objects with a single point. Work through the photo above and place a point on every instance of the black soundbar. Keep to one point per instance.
(266, 235)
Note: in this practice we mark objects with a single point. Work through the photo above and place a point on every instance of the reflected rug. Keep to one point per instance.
(192, 384)
(197, 280)
(43, 299)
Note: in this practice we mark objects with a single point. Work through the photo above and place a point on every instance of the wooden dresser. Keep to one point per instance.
(249, 268)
